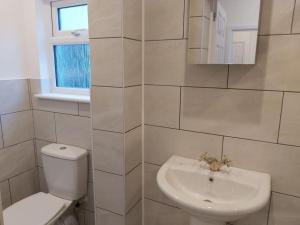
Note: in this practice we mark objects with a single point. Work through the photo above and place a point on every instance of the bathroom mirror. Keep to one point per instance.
(223, 31)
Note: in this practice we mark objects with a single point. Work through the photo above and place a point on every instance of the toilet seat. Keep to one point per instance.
(37, 209)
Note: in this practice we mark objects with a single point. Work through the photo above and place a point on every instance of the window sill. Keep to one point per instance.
(64, 97)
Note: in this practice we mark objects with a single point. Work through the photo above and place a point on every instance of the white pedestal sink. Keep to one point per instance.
(213, 198)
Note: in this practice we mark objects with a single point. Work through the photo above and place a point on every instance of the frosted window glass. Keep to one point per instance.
(73, 18)
(72, 66)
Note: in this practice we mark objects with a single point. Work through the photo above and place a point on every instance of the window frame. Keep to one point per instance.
(65, 38)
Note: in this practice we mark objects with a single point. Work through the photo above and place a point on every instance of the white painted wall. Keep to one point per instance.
(23, 38)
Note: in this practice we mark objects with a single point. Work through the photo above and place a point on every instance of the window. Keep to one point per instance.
(70, 47)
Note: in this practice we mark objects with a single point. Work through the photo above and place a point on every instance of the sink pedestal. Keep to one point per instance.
(196, 221)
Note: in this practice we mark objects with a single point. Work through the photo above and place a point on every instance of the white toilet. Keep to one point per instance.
(65, 169)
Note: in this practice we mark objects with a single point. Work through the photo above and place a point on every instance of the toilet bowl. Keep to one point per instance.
(65, 169)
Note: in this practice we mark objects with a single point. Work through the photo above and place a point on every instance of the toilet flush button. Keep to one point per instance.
(63, 148)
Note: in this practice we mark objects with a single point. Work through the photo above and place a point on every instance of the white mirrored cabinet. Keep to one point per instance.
(223, 31)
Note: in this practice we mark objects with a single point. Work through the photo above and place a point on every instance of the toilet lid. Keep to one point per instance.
(37, 209)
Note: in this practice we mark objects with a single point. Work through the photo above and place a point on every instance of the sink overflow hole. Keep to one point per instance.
(211, 179)
(207, 200)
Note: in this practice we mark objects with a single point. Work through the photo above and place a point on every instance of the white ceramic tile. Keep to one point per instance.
(109, 192)
(44, 125)
(38, 146)
(17, 127)
(296, 21)
(284, 210)
(43, 86)
(246, 114)
(133, 19)
(276, 55)
(104, 217)
(24, 185)
(152, 190)
(162, 143)
(107, 62)
(198, 32)
(290, 120)
(84, 109)
(42, 180)
(108, 108)
(199, 8)
(105, 18)
(88, 203)
(5, 194)
(132, 61)
(133, 188)
(276, 16)
(258, 218)
(206, 75)
(164, 19)
(165, 62)
(162, 106)
(73, 130)
(1, 135)
(133, 148)
(280, 161)
(15, 95)
(108, 151)
(132, 107)
(159, 214)
(134, 216)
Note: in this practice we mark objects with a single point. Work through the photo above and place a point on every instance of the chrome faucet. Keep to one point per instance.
(214, 164)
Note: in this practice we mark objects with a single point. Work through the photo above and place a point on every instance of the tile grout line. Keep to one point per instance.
(293, 17)
(280, 117)
(180, 95)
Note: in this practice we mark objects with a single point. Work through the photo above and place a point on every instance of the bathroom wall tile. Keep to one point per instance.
(15, 95)
(165, 62)
(276, 55)
(17, 127)
(89, 201)
(44, 125)
(133, 188)
(43, 86)
(296, 21)
(104, 217)
(198, 35)
(186, 19)
(108, 151)
(246, 114)
(107, 62)
(159, 214)
(152, 190)
(162, 106)
(164, 19)
(89, 218)
(199, 8)
(133, 148)
(290, 120)
(73, 130)
(42, 180)
(105, 18)
(197, 56)
(258, 218)
(38, 146)
(280, 161)
(206, 75)
(132, 61)
(276, 16)
(24, 185)
(134, 216)
(162, 143)
(90, 166)
(84, 109)
(5, 194)
(80, 216)
(133, 107)
(109, 192)
(133, 19)
(284, 210)
(107, 108)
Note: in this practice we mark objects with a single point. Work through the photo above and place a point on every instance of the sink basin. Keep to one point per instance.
(213, 198)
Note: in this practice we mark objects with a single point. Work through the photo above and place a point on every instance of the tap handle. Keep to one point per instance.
(226, 161)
